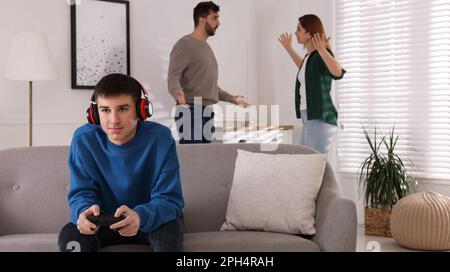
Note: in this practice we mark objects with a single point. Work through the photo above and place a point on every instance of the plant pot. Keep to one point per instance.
(377, 222)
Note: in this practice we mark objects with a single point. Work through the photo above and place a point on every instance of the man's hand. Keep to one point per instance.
(85, 226)
(286, 40)
(240, 101)
(321, 42)
(128, 227)
(181, 99)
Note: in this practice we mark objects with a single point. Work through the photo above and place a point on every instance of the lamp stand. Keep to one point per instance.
(30, 114)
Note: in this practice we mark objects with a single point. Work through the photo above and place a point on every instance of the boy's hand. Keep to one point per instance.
(85, 226)
(130, 225)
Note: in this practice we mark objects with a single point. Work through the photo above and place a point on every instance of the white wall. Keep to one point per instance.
(154, 27)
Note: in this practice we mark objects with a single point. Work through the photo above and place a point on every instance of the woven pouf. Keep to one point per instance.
(422, 221)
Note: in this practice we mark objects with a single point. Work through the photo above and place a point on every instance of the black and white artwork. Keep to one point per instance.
(100, 41)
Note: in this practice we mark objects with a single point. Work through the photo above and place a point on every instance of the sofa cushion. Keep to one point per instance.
(207, 179)
(233, 241)
(246, 241)
(217, 241)
(275, 192)
(43, 242)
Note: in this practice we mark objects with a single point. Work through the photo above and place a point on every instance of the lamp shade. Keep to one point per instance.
(29, 58)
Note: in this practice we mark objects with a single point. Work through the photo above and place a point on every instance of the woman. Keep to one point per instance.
(313, 103)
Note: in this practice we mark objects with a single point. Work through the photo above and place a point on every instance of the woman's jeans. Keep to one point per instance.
(317, 134)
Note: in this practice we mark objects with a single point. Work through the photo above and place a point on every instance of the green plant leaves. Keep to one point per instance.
(383, 176)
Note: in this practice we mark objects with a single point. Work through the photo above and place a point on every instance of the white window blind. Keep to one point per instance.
(397, 54)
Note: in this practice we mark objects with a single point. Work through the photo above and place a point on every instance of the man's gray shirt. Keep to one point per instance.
(193, 68)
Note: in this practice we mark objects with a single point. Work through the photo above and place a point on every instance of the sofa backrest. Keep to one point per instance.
(34, 185)
(33, 190)
(207, 172)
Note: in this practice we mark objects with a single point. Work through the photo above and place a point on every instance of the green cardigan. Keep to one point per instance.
(318, 86)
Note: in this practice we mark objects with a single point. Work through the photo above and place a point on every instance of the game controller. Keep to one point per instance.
(105, 220)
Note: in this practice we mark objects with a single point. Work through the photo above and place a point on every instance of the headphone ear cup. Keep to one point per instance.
(142, 109)
(148, 112)
(139, 110)
(95, 115)
(92, 115)
(88, 116)
(149, 108)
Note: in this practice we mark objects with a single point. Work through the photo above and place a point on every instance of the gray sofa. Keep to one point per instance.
(33, 206)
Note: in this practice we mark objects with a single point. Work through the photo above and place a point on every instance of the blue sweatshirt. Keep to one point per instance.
(142, 174)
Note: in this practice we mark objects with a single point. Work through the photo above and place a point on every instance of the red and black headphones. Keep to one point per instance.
(144, 108)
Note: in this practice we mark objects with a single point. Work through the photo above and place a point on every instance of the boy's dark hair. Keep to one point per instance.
(117, 84)
(202, 10)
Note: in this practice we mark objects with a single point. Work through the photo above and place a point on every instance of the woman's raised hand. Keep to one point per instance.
(320, 41)
(286, 40)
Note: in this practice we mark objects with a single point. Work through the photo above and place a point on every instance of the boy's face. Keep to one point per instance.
(118, 118)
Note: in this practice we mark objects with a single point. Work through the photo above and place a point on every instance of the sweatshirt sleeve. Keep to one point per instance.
(225, 96)
(179, 60)
(166, 201)
(83, 190)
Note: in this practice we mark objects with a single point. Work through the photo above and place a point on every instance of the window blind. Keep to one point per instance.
(397, 54)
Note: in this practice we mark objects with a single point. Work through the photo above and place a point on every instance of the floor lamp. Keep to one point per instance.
(29, 60)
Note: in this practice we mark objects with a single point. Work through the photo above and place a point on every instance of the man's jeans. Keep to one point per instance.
(196, 124)
(167, 238)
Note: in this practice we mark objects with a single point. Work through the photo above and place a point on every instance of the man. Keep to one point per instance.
(193, 73)
(122, 165)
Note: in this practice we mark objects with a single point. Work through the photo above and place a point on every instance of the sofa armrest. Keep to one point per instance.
(336, 224)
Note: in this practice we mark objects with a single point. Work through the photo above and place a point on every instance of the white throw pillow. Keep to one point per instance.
(275, 193)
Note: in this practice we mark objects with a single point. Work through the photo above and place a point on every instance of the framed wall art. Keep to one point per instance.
(100, 40)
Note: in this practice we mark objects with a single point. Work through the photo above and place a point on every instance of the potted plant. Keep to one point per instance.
(384, 180)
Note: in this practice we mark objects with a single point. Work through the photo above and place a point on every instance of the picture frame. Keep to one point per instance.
(100, 40)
